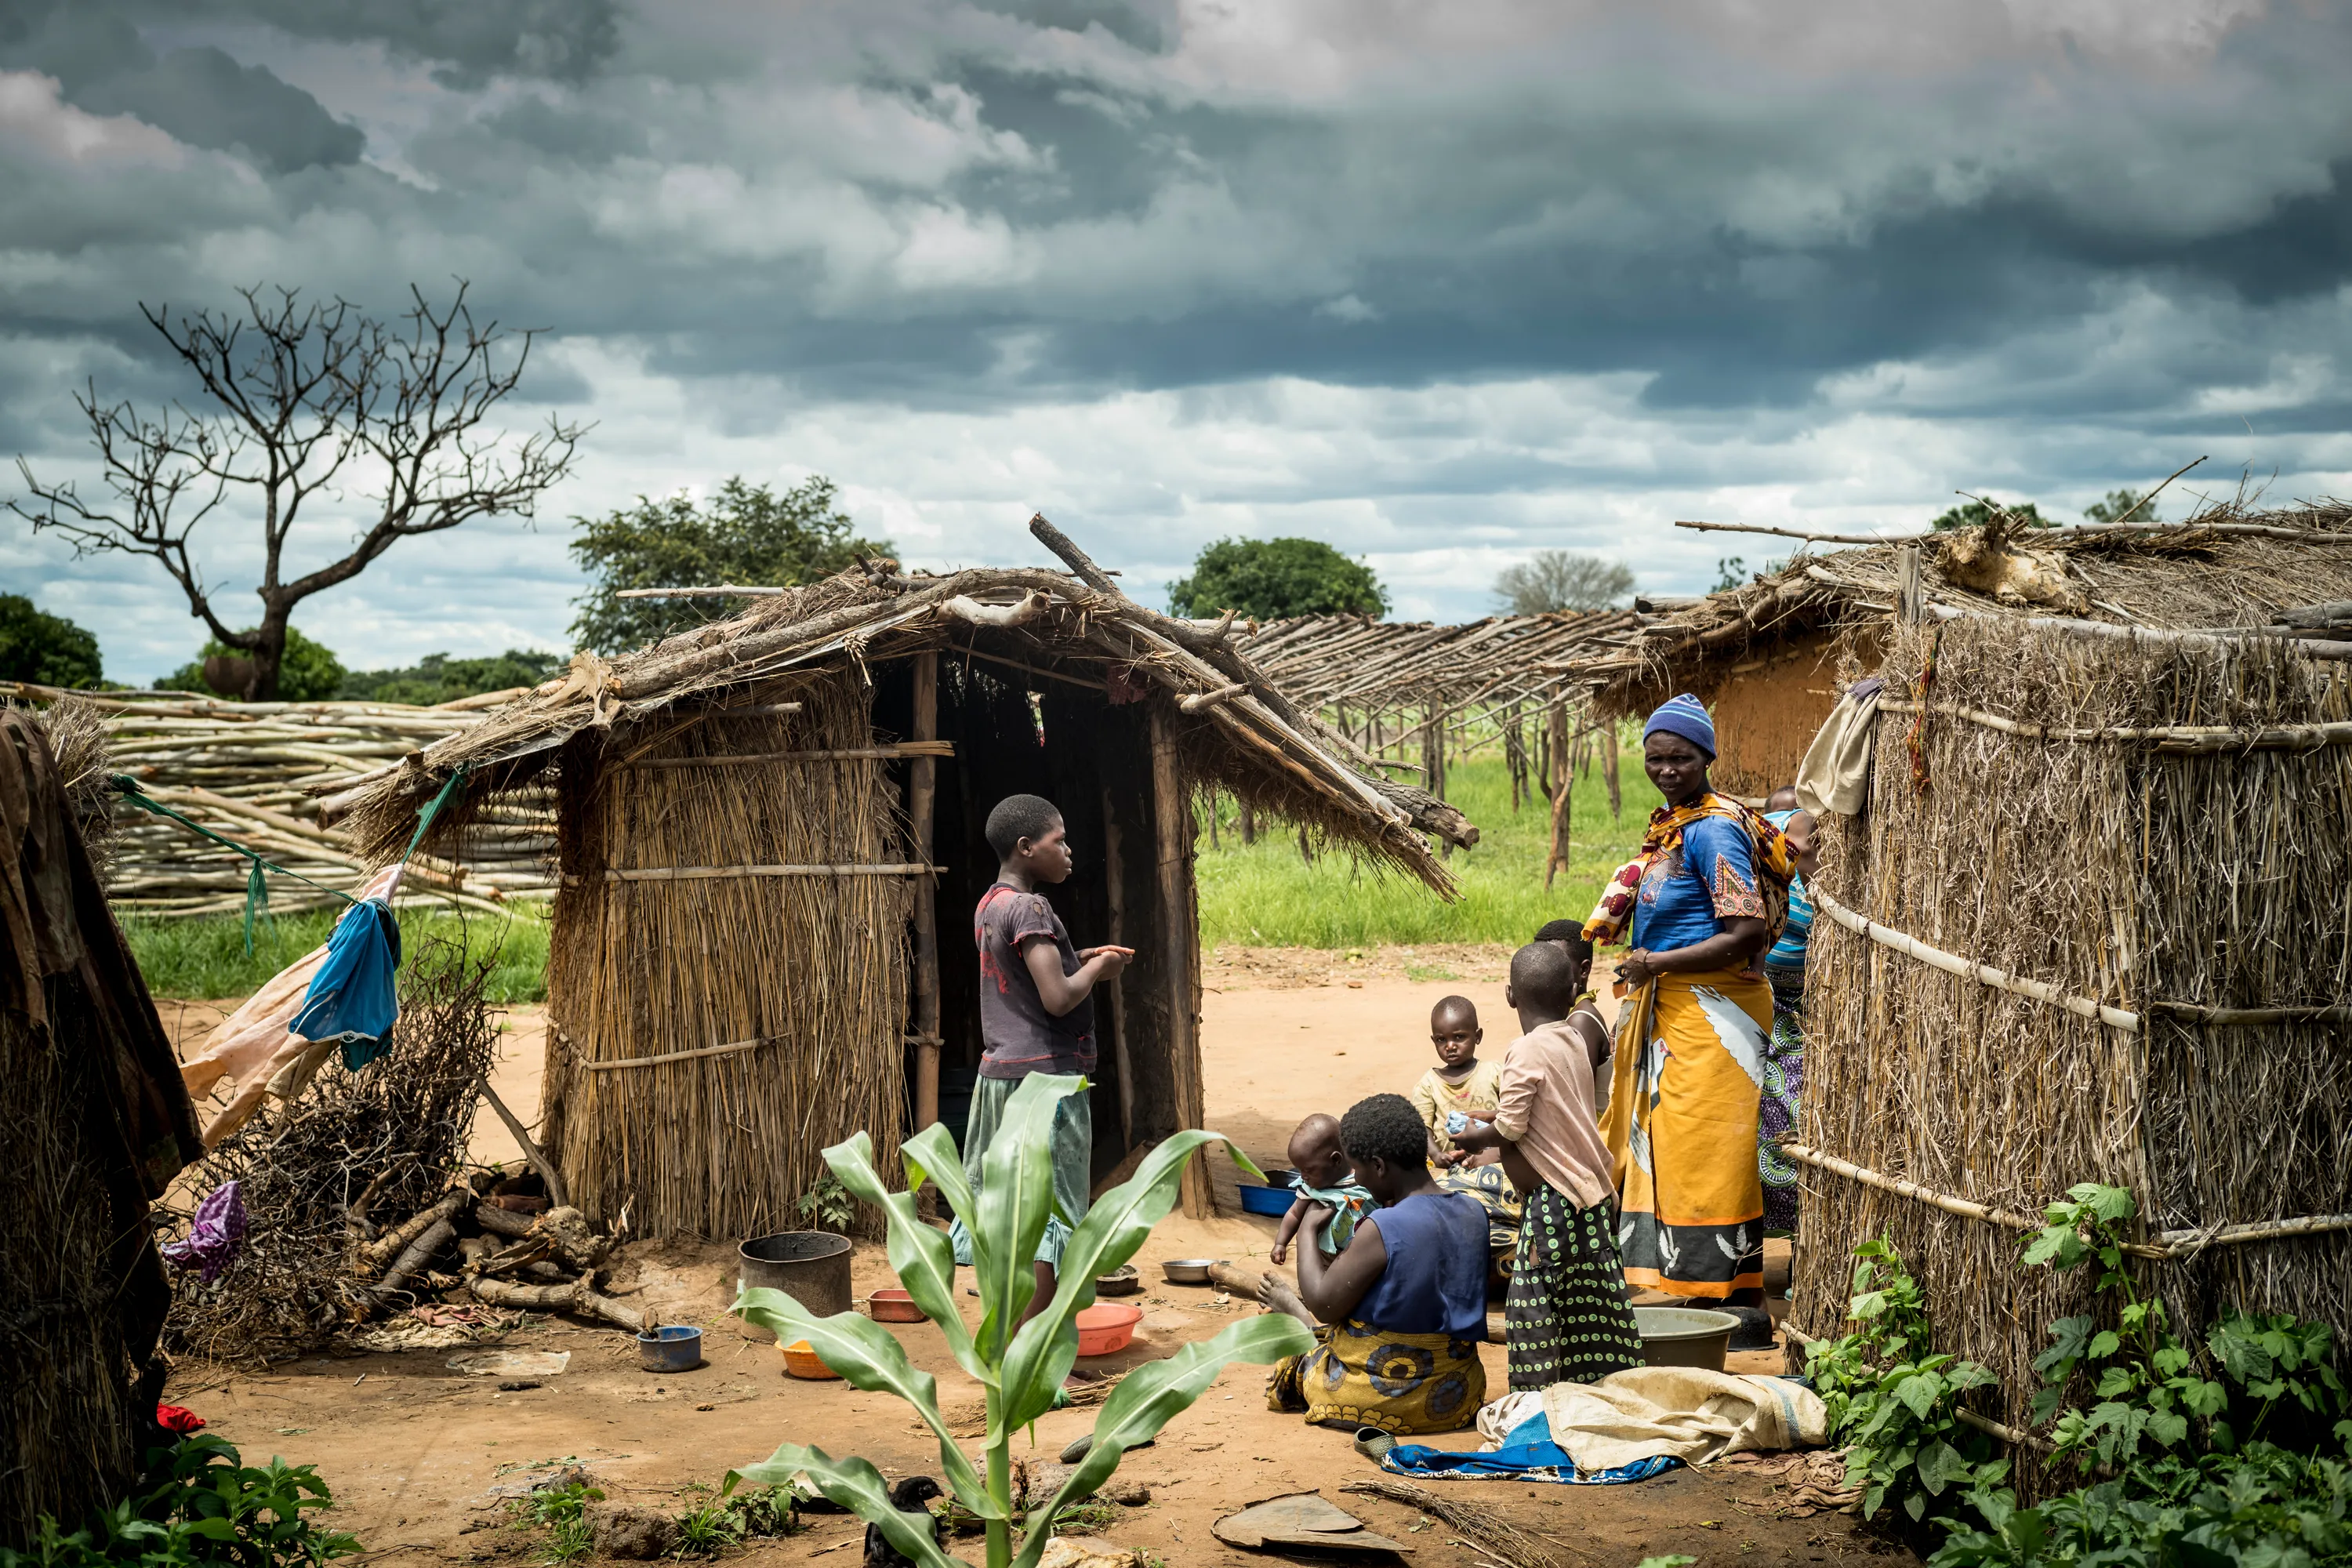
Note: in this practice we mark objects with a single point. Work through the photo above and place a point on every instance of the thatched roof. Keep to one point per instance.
(1243, 733)
(2226, 567)
(1464, 672)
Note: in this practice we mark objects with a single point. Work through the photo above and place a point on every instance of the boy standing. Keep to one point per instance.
(1460, 1087)
(1565, 1320)
(1036, 1011)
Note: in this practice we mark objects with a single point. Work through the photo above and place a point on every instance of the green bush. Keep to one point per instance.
(48, 650)
(2233, 1454)
(1271, 579)
(309, 671)
(213, 1508)
(437, 677)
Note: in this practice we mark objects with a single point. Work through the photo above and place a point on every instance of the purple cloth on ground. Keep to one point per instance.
(215, 1237)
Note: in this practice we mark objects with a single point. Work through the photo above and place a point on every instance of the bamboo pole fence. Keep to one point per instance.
(260, 772)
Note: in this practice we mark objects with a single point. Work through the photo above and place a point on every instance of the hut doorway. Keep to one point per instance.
(1039, 731)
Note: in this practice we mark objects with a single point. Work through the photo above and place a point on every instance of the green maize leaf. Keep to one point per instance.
(1016, 1195)
(869, 1357)
(923, 1258)
(856, 1485)
(1042, 1353)
(1152, 1394)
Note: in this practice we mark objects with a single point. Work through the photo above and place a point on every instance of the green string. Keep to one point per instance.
(256, 885)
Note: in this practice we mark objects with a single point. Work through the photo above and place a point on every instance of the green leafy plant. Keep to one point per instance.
(1892, 1400)
(2144, 1378)
(562, 1513)
(1021, 1364)
(211, 1508)
(827, 1206)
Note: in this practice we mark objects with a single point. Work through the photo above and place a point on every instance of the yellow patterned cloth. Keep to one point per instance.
(1681, 1126)
(1357, 1375)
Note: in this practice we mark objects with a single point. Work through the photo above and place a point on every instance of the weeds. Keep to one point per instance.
(212, 1507)
(827, 1206)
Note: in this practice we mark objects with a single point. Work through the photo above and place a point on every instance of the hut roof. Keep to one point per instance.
(1244, 733)
(2226, 567)
(1464, 672)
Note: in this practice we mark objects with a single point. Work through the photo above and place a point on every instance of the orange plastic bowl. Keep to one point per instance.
(894, 1306)
(1106, 1326)
(800, 1360)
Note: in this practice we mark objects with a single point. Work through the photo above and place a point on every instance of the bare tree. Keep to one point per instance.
(305, 398)
(1562, 580)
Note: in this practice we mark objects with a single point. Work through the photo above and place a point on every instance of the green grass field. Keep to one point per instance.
(1262, 895)
(204, 956)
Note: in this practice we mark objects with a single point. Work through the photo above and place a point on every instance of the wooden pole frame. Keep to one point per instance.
(922, 798)
(1171, 819)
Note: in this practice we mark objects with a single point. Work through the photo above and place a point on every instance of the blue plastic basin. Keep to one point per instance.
(1265, 1200)
(670, 1348)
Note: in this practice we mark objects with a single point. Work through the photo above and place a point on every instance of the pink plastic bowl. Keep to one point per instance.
(1106, 1326)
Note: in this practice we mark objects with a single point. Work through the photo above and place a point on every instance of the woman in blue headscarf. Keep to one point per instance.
(1699, 907)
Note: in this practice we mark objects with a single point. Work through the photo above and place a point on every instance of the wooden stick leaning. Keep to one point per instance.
(2180, 739)
(839, 754)
(558, 1195)
(728, 1049)
(725, 873)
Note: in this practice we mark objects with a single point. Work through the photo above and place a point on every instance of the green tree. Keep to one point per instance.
(2121, 506)
(437, 677)
(1271, 579)
(748, 534)
(1730, 572)
(307, 673)
(48, 650)
(1552, 580)
(1976, 513)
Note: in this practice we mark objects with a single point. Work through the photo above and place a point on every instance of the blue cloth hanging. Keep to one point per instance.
(351, 999)
(1528, 1453)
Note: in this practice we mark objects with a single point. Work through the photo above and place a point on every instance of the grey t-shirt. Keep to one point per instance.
(1017, 1035)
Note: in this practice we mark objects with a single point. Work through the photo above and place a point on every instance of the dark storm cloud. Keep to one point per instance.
(470, 40)
(205, 99)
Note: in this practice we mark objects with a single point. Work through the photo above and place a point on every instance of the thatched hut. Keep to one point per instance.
(98, 1125)
(764, 821)
(2092, 925)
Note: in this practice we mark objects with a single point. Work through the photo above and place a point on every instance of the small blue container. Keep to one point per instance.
(670, 1348)
(1265, 1200)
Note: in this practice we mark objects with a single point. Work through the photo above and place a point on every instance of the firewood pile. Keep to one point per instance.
(272, 775)
(352, 1215)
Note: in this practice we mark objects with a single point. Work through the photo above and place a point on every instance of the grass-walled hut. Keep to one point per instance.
(770, 843)
(2091, 924)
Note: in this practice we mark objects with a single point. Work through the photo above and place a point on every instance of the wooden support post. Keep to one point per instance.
(1557, 855)
(922, 796)
(1911, 594)
(1609, 770)
(1180, 933)
(1114, 877)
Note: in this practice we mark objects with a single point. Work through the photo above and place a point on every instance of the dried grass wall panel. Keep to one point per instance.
(2114, 873)
(815, 966)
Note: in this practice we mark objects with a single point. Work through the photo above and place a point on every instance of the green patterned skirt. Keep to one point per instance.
(1566, 1320)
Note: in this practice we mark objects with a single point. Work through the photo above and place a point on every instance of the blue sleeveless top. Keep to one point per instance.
(1436, 1281)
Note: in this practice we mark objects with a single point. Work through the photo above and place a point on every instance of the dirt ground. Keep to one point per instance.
(417, 1452)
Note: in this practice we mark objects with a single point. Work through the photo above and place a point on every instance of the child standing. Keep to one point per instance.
(1037, 1012)
(1324, 1175)
(1460, 1087)
(1565, 1320)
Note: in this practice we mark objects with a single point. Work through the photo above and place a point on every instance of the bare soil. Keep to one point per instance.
(415, 1448)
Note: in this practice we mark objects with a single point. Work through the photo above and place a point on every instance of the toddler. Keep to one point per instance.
(1325, 1176)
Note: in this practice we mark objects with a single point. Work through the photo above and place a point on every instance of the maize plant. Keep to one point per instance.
(1020, 1366)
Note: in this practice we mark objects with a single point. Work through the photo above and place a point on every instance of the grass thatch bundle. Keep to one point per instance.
(2117, 873)
(805, 976)
(378, 1144)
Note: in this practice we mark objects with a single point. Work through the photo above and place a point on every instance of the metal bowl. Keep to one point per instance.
(1121, 1281)
(1188, 1271)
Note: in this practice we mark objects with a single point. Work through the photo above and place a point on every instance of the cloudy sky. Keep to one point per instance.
(1441, 284)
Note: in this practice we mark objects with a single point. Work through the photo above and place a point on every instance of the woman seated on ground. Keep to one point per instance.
(1405, 1305)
